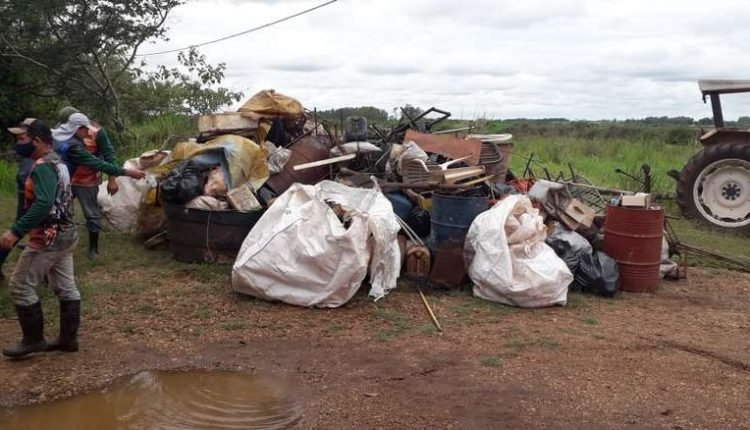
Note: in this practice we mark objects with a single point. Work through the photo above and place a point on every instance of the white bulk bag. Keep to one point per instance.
(508, 261)
(300, 253)
(121, 210)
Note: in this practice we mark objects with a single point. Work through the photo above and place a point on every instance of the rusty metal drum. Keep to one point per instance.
(306, 150)
(633, 237)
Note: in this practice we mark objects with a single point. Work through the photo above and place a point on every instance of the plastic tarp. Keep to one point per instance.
(300, 253)
(269, 103)
(121, 209)
(508, 261)
(246, 161)
(409, 151)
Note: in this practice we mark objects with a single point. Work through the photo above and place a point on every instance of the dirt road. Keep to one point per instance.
(677, 359)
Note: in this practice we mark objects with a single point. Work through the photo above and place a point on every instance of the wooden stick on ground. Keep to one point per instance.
(429, 309)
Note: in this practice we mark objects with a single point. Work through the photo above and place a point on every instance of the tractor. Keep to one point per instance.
(714, 186)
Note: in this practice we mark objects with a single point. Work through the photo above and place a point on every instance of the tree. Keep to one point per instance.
(189, 89)
(410, 111)
(373, 114)
(85, 51)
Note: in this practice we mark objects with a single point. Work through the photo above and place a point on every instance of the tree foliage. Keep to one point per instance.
(373, 114)
(84, 52)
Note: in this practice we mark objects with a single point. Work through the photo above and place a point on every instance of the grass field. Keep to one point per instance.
(597, 160)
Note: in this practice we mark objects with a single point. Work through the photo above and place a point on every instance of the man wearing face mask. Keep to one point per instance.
(48, 221)
(23, 148)
(75, 141)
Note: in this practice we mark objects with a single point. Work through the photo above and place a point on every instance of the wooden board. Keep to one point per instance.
(333, 160)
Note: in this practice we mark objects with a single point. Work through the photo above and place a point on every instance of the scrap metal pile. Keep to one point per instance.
(306, 214)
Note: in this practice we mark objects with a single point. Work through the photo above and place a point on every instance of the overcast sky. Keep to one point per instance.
(579, 59)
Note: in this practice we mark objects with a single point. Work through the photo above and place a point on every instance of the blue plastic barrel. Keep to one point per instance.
(452, 216)
(401, 203)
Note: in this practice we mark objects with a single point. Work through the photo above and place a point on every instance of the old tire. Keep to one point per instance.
(714, 187)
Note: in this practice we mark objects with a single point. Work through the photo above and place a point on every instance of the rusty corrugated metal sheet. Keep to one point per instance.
(449, 146)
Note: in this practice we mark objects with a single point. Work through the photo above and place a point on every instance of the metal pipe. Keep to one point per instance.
(716, 107)
(453, 130)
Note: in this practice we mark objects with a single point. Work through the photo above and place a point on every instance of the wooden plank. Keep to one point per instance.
(453, 175)
(333, 160)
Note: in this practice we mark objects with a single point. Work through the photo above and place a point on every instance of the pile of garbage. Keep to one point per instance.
(306, 213)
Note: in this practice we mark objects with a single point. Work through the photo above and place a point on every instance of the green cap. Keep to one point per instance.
(65, 113)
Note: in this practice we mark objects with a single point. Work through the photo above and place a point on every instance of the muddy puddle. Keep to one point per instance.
(168, 400)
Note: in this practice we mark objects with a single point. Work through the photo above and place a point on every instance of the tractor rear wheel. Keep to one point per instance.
(714, 187)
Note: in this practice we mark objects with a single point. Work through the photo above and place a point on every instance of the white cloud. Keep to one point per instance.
(496, 58)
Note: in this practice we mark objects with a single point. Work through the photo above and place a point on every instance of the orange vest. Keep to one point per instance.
(44, 234)
(86, 176)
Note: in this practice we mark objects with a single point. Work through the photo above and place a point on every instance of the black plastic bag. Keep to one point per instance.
(569, 246)
(420, 221)
(597, 274)
(184, 183)
(610, 274)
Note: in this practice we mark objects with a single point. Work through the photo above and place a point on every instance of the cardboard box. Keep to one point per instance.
(640, 200)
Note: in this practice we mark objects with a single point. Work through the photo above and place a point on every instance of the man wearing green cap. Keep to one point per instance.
(85, 179)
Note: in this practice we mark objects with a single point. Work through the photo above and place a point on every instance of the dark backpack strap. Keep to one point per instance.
(62, 148)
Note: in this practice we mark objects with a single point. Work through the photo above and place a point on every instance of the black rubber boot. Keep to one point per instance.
(70, 319)
(32, 326)
(3, 256)
(93, 244)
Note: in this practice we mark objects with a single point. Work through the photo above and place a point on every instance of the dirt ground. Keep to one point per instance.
(677, 359)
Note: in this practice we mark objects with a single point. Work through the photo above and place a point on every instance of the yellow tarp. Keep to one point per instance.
(246, 159)
(270, 103)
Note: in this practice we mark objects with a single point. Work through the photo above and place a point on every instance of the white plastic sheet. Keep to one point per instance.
(300, 253)
(667, 266)
(508, 261)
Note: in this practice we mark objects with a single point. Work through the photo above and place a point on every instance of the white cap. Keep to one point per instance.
(66, 130)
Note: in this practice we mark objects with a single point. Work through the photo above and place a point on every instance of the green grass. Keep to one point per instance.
(590, 321)
(7, 179)
(156, 133)
(519, 343)
(123, 270)
(129, 329)
(597, 159)
(233, 325)
(335, 328)
(146, 309)
(492, 361)
(397, 323)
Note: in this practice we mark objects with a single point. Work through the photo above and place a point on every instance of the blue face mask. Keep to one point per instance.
(24, 149)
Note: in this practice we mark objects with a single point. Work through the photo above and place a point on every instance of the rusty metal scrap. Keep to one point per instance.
(469, 150)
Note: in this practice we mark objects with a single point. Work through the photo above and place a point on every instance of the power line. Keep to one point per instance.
(221, 39)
